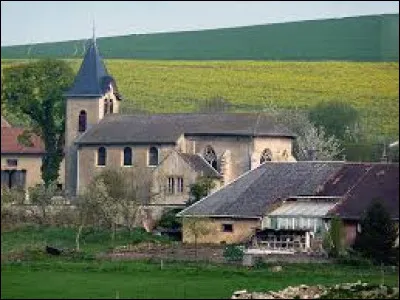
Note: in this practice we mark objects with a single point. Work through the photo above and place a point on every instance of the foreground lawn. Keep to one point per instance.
(105, 279)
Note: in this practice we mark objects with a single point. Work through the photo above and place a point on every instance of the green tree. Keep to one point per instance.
(378, 234)
(200, 189)
(36, 90)
(337, 118)
(334, 238)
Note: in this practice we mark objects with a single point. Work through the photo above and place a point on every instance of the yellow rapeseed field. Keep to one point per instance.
(181, 86)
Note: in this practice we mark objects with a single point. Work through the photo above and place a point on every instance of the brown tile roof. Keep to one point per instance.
(380, 181)
(10, 145)
(254, 192)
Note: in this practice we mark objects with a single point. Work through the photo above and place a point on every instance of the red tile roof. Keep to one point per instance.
(9, 142)
(4, 122)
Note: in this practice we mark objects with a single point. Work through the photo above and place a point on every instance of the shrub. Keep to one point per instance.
(378, 234)
(333, 239)
(169, 220)
(233, 253)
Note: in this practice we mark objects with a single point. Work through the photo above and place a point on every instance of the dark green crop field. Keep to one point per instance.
(362, 38)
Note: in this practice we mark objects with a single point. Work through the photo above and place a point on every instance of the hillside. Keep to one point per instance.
(183, 86)
(363, 38)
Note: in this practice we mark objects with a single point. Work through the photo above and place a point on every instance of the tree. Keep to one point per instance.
(200, 189)
(41, 196)
(36, 90)
(378, 234)
(339, 119)
(310, 141)
(113, 195)
(333, 240)
(196, 227)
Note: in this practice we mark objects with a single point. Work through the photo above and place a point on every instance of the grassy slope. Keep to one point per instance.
(363, 38)
(178, 86)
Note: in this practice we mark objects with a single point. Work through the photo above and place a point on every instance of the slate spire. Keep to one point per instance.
(89, 82)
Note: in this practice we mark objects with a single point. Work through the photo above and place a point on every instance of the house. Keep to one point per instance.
(175, 148)
(21, 162)
(289, 204)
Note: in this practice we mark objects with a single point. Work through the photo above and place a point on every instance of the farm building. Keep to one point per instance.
(21, 161)
(288, 205)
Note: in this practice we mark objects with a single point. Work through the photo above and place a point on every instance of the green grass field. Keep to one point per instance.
(33, 274)
(175, 280)
(183, 86)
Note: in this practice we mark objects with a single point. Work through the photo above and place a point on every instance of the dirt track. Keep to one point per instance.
(172, 252)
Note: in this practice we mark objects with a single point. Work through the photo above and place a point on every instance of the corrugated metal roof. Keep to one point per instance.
(303, 208)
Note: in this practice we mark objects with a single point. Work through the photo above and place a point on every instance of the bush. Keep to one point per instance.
(169, 220)
(354, 260)
(338, 118)
(233, 253)
(378, 234)
(333, 241)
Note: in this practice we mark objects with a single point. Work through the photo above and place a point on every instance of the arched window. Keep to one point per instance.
(101, 156)
(82, 121)
(266, 155)
(127, 156)
(210, 156)
(111, 106)
(153, 156)
(105, 106)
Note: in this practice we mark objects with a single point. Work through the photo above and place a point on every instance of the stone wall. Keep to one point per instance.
(242, 230)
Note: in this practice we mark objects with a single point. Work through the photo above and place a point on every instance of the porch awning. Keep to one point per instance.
(303, 209)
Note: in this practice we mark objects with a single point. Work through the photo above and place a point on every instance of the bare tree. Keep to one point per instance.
(113, 198)
(197, 228)
(42, 196)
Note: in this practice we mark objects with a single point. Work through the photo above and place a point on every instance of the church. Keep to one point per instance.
(180, 147)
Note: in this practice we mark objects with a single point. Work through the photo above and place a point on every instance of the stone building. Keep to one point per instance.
(289, 205)
(175, 148)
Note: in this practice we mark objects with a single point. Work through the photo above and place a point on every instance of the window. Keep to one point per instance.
(101, 156)
(227, 227)
(82, 121)
(266, 155)
(210, 156)
(127, 156)
(180, 185)
(13, 178)
(171, 185)
(12, 162)
(105, 106)
(111, 106)
(153, 156)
